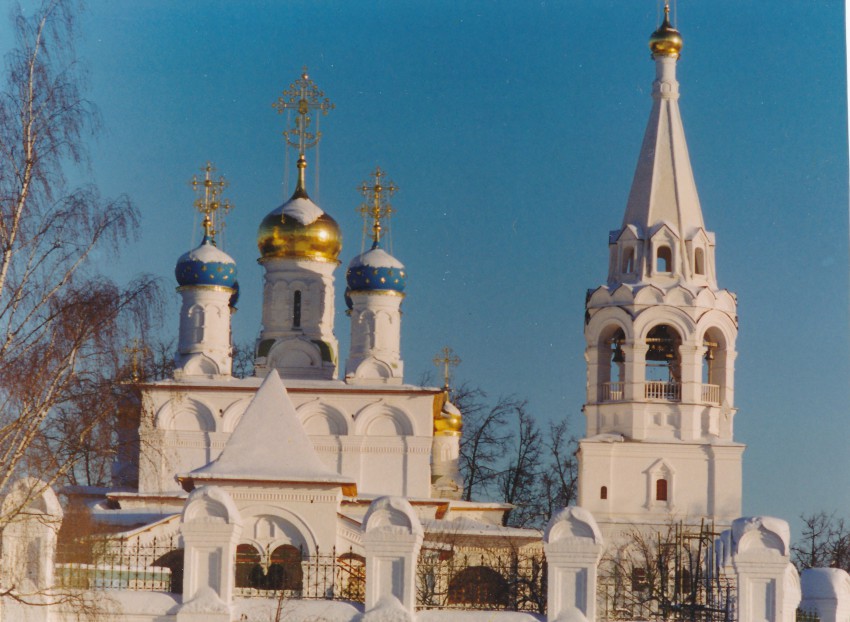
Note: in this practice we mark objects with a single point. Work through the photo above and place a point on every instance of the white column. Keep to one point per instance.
(210, 527)
(29, 550)
(392, 537)
(768, 585)
(573, 545)
(826, 592)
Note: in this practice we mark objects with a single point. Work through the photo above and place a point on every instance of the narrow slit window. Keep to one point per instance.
(603, 492)
(296, 309)
(661, 490)
(628, 261)
(699, 261)
(665, 259)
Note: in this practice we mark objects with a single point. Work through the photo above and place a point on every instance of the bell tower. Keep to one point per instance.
(660, 344)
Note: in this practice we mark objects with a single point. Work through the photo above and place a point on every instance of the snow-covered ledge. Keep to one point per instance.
(573, 545)
(392, 537)
(210, 526)
(768, 584)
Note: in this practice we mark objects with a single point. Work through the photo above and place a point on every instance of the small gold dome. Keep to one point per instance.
(447, 418)
(666, 41)
(283, 232)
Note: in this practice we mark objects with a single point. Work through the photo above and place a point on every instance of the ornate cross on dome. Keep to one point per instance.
(303, 96)
(447, 361)
(209, 200)
(377, 205)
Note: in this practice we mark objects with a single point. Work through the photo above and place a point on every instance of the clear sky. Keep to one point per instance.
(512, 129)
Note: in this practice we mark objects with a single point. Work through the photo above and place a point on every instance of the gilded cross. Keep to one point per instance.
(209, 201)
(377, 205)
(447, 361)
(303, 96)
(134, 352)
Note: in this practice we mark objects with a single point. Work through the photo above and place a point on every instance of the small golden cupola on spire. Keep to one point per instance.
(666, 40)
(300, 229)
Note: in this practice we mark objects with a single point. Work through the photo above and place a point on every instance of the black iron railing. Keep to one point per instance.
(446, 579)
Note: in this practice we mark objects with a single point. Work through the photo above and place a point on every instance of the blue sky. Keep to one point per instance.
(512, 129)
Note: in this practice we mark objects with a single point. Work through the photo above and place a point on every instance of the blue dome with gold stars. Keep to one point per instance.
(206, 265)
(376, 270)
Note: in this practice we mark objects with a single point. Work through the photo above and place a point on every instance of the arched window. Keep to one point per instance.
(663, 363)
(296, 309)
(603, 492)
(249, 572)
(478, 585)
(699, 261)
(628, 260)
(661, 490)
(664, 261)
(285, 571)
(713, 366)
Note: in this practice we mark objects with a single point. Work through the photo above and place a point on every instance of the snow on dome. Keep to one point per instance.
(376, 257)
(206, 253)
(269, 444)
(375, 270)
(206, 265)
(450, 408)
(302, 209)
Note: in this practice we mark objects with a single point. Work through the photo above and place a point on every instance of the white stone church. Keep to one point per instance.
(305, 458)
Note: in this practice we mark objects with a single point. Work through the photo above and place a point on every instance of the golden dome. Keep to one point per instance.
(666, 40)
(299, 229)
(447, 418)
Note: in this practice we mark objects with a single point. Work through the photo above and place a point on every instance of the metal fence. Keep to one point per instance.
(289, 572)
(446, 579)
(674, 576)
(110, 563)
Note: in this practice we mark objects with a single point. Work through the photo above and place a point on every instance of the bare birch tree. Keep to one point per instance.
(63, 325)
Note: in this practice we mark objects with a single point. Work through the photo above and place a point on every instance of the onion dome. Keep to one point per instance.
(666, 40)
(376, 270)
(449, 421)
(206, 265)
(299, 229)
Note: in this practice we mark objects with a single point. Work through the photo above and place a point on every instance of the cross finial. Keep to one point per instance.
(209, 201)
(303, 96)
(377, 205)
(134, 352)
(446, 361)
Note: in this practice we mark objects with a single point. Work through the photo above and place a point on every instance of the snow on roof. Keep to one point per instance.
(269, 444)
(301, 209)
(468, 527)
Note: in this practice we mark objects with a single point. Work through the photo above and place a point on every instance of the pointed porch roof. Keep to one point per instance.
(269, 444)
